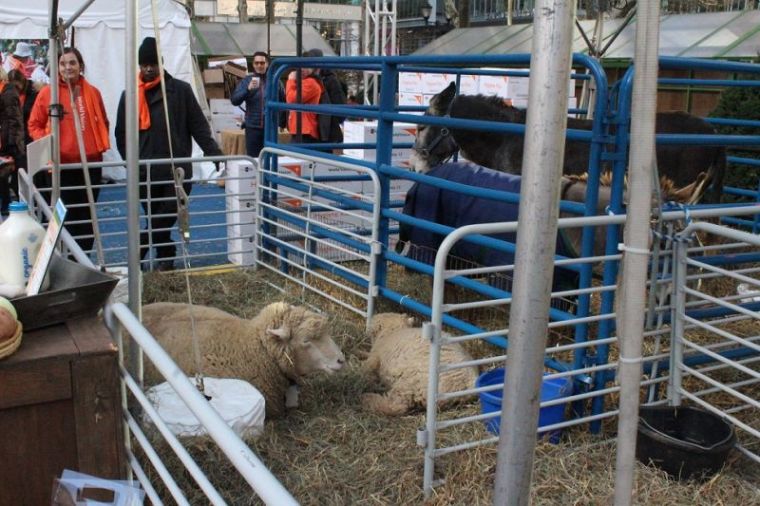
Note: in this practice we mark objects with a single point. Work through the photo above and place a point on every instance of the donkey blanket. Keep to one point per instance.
(454, 209)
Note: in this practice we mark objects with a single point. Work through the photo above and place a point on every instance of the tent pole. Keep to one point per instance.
(632, 293)
(67, 24)
(133, 174)
(55, 125)
(536, 244)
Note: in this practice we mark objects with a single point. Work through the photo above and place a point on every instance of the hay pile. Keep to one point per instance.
(329, 451)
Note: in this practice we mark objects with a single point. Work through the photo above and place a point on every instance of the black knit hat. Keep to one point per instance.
(148, 54)
(313, 53)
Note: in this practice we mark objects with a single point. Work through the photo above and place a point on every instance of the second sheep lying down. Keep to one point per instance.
(280, 346)
(400, 358)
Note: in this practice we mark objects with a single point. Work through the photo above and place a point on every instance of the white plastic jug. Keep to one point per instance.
(20, 240)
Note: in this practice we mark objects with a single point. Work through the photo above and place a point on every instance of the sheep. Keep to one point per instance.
(399, 359)
(273, 351)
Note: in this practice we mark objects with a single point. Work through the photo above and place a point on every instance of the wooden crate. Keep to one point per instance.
(59, 408)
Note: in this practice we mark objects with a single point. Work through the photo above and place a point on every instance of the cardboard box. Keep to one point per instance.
(417, 99)
(239, 246)
(235, 69)
(240, 179)
(503, 86)
(512, 86)
(410, 82)
(213, 76)
(214, 91)
(435, 83)
(241, 227)
(366, 132)
(240, 211)
(468, 84)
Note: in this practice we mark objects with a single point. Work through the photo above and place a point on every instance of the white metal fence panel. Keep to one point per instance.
(716, 360)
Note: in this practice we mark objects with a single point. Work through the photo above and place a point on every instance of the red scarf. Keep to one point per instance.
(143, 101)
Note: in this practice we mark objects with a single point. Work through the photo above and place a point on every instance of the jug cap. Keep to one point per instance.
(18, 206)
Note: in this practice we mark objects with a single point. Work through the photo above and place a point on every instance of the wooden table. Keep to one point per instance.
(233, 141)
(59, 408)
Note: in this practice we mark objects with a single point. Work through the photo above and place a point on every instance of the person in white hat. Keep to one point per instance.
(22, 59)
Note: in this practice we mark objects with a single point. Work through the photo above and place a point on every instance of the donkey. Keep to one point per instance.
(704, 165)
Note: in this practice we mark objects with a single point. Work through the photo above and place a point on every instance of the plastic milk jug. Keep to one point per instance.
(20, 240)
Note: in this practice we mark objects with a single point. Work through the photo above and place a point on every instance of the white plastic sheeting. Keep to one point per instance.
(703, 35)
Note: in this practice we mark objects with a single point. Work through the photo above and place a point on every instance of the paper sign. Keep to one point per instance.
(42, 262)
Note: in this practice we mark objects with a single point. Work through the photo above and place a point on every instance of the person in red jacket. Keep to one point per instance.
(311, 89)
(94, 124)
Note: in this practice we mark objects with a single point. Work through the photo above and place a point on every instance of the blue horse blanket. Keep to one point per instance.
(455, 209)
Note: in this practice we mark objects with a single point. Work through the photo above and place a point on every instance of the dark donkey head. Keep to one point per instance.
(434, 144)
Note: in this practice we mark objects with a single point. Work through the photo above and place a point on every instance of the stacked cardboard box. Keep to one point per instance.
(213, 80)
(240, 199)
(241, 186)
(222, 75)
(366, 132)
(417, 88)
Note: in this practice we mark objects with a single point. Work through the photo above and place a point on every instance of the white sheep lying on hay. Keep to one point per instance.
(400, 358)
(279, 347)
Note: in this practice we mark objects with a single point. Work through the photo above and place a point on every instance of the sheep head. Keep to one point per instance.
(304, 339)
(386, 323)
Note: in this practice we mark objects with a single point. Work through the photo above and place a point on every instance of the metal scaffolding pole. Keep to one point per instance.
(632, 293)
(536, 243)
(133, 172)
(379, 39)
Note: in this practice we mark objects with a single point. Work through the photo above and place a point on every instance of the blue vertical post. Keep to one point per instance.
(383, 155)
(610, 270)
(592, 197)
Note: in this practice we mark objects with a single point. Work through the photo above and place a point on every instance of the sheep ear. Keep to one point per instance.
(282, 332)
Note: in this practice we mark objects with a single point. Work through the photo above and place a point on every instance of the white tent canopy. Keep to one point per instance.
(99, 36)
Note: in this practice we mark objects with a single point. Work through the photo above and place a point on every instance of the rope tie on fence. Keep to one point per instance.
(681, 207)
(629, 249)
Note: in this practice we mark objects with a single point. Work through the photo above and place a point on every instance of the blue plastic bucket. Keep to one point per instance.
(551, 389)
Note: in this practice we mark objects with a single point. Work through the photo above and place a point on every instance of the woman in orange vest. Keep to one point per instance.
(311, 90)
(93, 121)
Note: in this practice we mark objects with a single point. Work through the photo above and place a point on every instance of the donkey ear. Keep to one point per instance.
(450, 91)
(440, 103)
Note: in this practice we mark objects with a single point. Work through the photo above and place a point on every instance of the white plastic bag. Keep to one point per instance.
(236, 401)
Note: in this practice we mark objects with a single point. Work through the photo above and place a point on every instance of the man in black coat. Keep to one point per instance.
(186, 122)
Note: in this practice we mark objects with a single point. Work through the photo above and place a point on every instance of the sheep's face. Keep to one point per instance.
(387, 323)
(310, 347)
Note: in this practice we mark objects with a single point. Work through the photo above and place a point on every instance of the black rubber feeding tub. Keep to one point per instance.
(684, 441)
